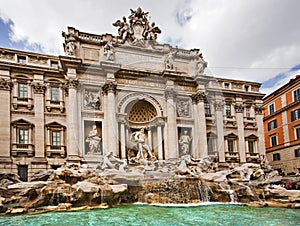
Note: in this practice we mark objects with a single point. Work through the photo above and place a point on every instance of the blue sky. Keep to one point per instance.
(248, 40)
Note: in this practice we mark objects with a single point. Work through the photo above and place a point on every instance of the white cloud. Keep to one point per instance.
(230, 33)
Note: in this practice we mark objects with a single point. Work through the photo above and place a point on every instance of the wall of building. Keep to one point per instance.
(289, 161)
(70, 99)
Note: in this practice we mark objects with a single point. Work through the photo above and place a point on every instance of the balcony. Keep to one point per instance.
(56, 150)
(252, 157)
(19, 149)
(213, 156)
(230, 120)
(19, 102)
(210, 118)
(249, 122)
(52, 105)
(232, 156)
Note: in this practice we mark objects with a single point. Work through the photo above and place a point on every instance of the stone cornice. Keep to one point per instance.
(70, 62)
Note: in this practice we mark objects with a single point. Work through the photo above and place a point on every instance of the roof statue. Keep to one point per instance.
(69, 45)
(138, 30)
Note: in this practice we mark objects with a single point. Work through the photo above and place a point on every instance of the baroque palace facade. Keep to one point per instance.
(79, 107)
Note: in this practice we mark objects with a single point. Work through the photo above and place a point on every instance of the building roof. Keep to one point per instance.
(282, 88)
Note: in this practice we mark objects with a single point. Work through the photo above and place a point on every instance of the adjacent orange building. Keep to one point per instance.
(282, 127)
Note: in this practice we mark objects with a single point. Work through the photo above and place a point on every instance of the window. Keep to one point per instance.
(56, 138)
(55, 142)
(251, 146)
(248, 112)
(297, 94)
(272, 124)
(297, 152)
(230, 145)
(226, 85)
(228, 109)
(54, 64)
(23, 136)
(23, 172)
(22, 90)
(210, 146)
(246, 88)
(271, 108)
(273, 139)
(54, 93)
(22, 59)
(297, 132)
(276, 157)
(207, 108)
(295, 115)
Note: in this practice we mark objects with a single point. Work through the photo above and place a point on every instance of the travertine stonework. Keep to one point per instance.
(109, 87)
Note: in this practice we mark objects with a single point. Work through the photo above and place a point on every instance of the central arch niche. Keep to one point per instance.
(141, 112)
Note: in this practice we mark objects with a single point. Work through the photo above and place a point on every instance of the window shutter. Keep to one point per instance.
(275, 123)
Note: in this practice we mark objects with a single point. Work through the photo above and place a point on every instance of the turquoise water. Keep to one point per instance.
(154, 215)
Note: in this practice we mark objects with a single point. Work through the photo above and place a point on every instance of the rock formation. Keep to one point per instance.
(185, 180)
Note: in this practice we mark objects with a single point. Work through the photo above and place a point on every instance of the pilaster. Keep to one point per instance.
(39, 89)
(260, 129)
(5, 90)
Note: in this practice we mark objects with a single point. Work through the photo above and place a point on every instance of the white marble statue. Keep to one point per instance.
(184, 142)
(140, 140)
(183, 168)
(111, 162)
(109, 51)
(169, 60)
(124, 29)
(94, 141)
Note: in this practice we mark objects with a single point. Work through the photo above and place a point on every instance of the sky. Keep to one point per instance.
(254, 40)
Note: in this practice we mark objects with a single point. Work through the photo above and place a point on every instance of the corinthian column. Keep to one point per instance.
(172, 148)
(239, 109)
(72, 120)
(110, 121)
(200, 124)
(219, 107)
(260, 130)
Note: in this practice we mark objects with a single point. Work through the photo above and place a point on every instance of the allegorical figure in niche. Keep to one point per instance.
(184, 142)
(140, 140)
(94, 141)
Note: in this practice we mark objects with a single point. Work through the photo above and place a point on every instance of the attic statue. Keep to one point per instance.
(69, 45)
(137, 30)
